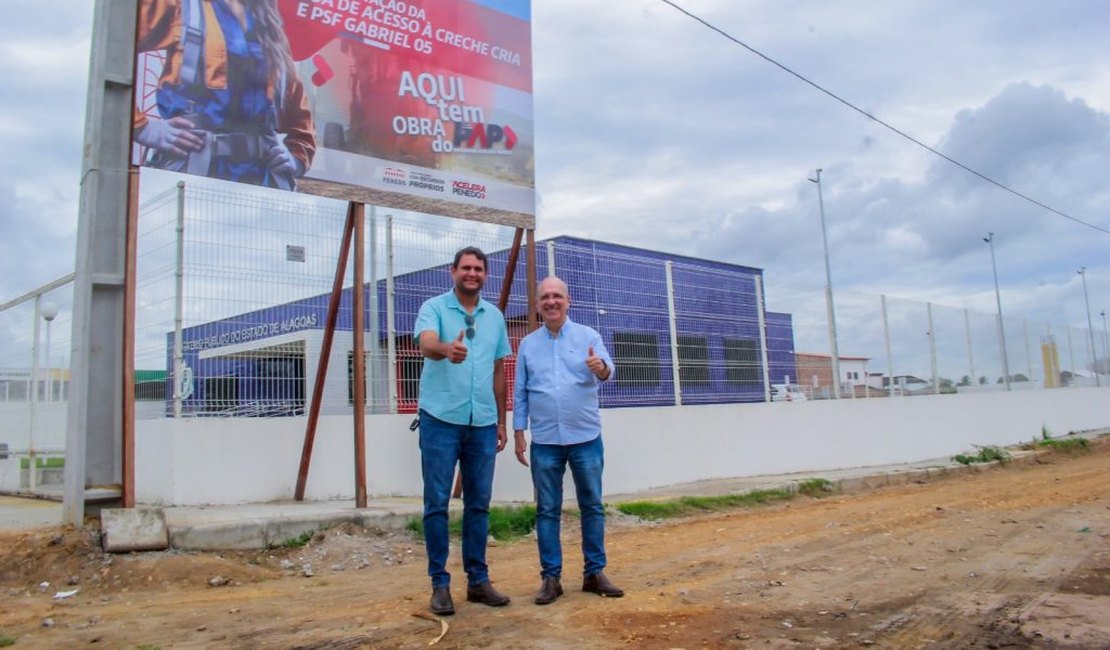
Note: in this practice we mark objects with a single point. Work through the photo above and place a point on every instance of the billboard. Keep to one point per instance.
(422, 105)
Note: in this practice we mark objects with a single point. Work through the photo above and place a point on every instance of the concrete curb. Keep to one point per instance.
(258, 526)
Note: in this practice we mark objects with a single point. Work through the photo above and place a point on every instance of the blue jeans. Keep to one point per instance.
(442, 444)
(549, 463)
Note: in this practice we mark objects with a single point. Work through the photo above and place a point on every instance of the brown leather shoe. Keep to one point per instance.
(600, 585)
(549, 591)
(487, 595)
(442, 605)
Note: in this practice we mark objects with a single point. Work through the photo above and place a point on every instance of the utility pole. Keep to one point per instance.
(1001, 328)
(833, 347)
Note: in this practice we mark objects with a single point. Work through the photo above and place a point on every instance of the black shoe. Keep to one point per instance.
(442, 605)
(487, 595)
(600, 585)
(549, 591)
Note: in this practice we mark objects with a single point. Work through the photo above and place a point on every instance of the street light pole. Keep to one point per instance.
(49, 313)
(1001, 328)
(1090, 328)
(829, 292)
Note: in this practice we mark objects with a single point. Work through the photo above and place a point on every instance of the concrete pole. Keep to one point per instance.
(833, 347)
(94, 430)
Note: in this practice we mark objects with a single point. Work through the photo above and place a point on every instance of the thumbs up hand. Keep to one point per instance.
(595, 363)
(456, 350)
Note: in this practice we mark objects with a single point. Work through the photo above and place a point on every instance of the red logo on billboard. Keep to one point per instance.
(484, 136)
(469, 190)
(394, 176)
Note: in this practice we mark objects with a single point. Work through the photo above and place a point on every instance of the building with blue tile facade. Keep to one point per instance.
(661, 316)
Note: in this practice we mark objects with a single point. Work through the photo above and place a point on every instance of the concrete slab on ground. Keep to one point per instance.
(133, 529)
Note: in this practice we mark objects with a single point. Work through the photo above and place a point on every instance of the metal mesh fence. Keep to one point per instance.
(257, 270)
(34, 384)
(248, 296)
(895, 346)
(233, 287)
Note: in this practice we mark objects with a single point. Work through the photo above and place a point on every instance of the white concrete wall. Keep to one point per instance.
(10, 474)
(200, 461)
(50, 425)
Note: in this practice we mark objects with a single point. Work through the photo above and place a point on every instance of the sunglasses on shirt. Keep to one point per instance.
(469, 320)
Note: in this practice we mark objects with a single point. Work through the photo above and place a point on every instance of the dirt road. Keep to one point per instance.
(1016, 556)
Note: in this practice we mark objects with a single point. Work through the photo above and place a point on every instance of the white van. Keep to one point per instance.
(787, 393)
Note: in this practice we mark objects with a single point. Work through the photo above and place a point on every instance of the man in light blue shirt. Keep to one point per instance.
(464, 342)
(559, 368)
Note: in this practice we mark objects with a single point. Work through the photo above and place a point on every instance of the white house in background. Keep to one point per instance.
(815, 374)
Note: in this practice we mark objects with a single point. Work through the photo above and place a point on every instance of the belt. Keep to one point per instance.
(237, 146)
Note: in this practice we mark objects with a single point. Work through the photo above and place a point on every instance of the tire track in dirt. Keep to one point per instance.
(891, 566)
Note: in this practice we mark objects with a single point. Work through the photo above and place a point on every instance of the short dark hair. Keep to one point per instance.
(470, 250)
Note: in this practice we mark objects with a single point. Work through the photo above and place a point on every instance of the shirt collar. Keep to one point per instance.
(562, 330)
(453, 302)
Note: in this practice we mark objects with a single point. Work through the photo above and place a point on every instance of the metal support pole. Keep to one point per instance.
(1090, 328)
(179, 305)
(36, 382)
(530, 278)
(353, 213)
(762, 312)
(833, 347)
(375, 392)
(933, 349)
(49, 311)
(889, 356)
(358, 331)
(390, 314)
(1001, 328)
(672, 322)
(1071, 350)
(1105, 337)
(1028, 352)
(970, 356)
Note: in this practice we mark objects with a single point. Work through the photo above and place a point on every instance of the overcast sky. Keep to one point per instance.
(656, 132)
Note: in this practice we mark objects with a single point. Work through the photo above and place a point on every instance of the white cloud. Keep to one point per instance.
(656, 132)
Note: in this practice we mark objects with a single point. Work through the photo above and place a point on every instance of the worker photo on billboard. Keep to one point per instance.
(228, 102)
(422, 104)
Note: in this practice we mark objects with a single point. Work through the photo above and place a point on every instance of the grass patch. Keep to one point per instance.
(689, 505)
(299, 541)
(6, 640)
(505, 523)
(815, 487)
(985, 455)
(148, 646)
(1068, 445)
(40, 461)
